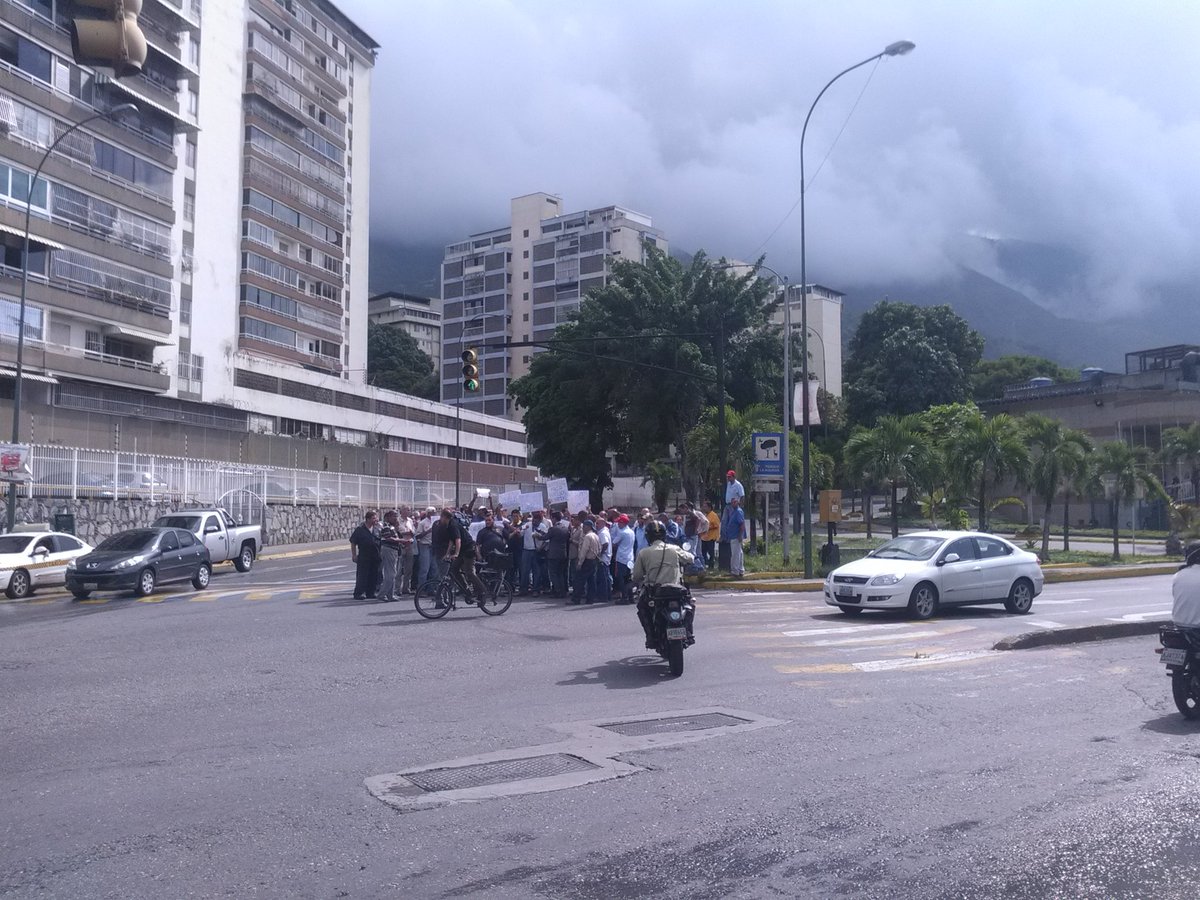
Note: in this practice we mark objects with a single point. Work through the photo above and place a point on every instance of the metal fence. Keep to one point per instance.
(78, 474)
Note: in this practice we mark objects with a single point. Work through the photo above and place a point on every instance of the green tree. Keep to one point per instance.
(650, 389)
(893, 453)
(991, 450)
(1124, 470)
(395, 361)
(1057, 453)
(946, 428)
(665, 478)
(991, 376)
(903, 359)
(1183, 445)
(703, 444)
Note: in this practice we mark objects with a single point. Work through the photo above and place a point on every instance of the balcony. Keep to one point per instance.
(75, 362)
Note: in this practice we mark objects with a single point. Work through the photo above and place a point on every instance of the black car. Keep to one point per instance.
(138, 560)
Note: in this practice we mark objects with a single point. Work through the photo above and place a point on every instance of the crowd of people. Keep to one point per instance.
(584, 558)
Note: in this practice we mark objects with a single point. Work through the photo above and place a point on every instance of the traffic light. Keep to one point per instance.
(470, 360)
(111, 38)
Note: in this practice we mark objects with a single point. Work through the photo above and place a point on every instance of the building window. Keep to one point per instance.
(189, 207)
(10, 315)
(92, 342)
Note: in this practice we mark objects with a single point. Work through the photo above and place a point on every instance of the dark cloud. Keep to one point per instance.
(1074, 124)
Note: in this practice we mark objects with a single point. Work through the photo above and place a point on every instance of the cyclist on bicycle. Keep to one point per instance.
(461, 555)
(493, 548)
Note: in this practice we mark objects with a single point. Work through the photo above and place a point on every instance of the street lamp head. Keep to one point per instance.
(899, 48)
(122, 108)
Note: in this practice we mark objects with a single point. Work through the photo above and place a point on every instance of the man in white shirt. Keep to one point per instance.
(623, 539)
(533, 536)
(604, 580)
(404, 530)
(733, 487)
(423, 541)
(1185, 589)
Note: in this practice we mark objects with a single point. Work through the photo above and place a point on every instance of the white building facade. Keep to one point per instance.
(419, 317)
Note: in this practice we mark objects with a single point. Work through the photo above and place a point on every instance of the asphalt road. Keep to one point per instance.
(216, 744)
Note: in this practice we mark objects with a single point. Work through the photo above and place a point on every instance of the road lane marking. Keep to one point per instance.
(1064, 602)
(262, 595)
(849, 629)
(327, 568)
(937, 659)
(845, 642)
(1142, 616)
(1044, 623)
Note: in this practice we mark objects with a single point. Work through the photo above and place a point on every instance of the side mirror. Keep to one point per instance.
(40, 551)
(949, 558)
(212, 529)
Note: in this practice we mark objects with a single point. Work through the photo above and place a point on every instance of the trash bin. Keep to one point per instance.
(64, 522)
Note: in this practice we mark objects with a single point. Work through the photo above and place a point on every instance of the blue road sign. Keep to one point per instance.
(768, 456)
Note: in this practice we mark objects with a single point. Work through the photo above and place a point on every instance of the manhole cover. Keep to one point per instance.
(482, 774)
(671, 724)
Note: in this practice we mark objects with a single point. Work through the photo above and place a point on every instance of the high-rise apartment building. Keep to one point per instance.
(520, 281)
(419, 317)
(824, 333)
(198, 274)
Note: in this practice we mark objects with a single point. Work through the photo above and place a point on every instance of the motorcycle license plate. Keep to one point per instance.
(1174, 656)
(676, 634)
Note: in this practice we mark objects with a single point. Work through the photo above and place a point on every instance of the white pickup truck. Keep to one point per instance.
(225, 539)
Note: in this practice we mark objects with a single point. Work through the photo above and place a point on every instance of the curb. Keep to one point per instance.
(1108, 574)
(1061, 637)
(296, 554)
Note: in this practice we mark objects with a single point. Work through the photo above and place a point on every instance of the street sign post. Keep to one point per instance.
(766, 486)
(768, 457)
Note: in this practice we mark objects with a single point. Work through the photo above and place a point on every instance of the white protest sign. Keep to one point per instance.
(577, 501)
(509, 499)
(556, 490)
(530, 502)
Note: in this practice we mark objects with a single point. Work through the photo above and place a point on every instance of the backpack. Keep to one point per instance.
(461, 518)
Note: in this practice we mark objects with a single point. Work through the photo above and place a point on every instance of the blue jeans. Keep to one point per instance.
(602, 581)
(529, 579)
(585, 581)
(424, 563)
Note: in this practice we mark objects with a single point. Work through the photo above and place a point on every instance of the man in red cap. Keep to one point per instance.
(622, 550)
(733, 487)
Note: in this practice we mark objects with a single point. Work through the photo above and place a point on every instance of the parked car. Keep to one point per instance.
(59, 483)
(34, 559)
(217, 530)
(926, 571)
(139, 560)
(138, 486)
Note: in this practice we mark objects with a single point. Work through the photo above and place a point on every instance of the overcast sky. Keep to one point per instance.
(1070, 123)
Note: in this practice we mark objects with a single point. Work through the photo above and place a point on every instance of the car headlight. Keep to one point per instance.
(71, 566)
(130, 563)
(883, 580)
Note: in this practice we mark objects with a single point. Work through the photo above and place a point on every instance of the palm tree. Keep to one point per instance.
(1080, 479)
(1124, 469)
(1183, 445)
(894, 452)
(703, 443)
(992, 450)
(1057, 452)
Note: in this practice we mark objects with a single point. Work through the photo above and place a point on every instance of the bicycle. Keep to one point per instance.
(436, 598)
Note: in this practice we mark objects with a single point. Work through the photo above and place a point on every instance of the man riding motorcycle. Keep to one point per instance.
(658, 564)
(1185, 589)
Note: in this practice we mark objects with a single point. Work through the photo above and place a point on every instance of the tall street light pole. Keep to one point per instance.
(18, 382)
(899, 48)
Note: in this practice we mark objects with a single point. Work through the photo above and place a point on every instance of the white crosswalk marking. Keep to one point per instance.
(936, 659)
(850, 629)
(841, 642)
(1142, 616)
(1044, 623)
(1064, 602)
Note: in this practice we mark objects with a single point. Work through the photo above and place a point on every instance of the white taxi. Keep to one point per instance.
(34, 559)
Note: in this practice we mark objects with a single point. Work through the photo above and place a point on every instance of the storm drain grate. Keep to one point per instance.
(483, 774)
(672, 724)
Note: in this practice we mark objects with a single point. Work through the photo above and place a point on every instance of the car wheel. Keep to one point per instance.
(146, 582)
(1020, 597)
(245, 559)
(923, 603)
(851, 610)
(203, 574)
(19, 586)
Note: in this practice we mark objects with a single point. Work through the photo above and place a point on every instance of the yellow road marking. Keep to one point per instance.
(261, 595)
(99, 601)
(313, 595)
(151, 599)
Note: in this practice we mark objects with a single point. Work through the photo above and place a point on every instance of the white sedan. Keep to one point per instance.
(928, 570)
(33, 559)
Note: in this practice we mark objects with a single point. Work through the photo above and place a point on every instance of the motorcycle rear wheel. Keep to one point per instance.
(1185, 688)
(675, 657)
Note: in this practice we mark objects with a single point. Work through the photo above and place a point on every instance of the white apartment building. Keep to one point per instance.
(518, 282)
(420, 317)
(198, 271)
(824, 333)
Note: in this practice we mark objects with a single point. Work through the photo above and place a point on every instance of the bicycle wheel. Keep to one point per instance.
(433, 599)
(498, 597)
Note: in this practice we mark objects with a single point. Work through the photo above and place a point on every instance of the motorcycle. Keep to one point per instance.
(1181, 655)
(671, 611)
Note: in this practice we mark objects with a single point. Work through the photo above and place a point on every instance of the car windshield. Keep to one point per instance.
(14, 543)
(130, 541)
(909, 547)
(187, 522)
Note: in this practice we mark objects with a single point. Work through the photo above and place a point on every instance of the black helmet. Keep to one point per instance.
(654, 531)
(1191, 555)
